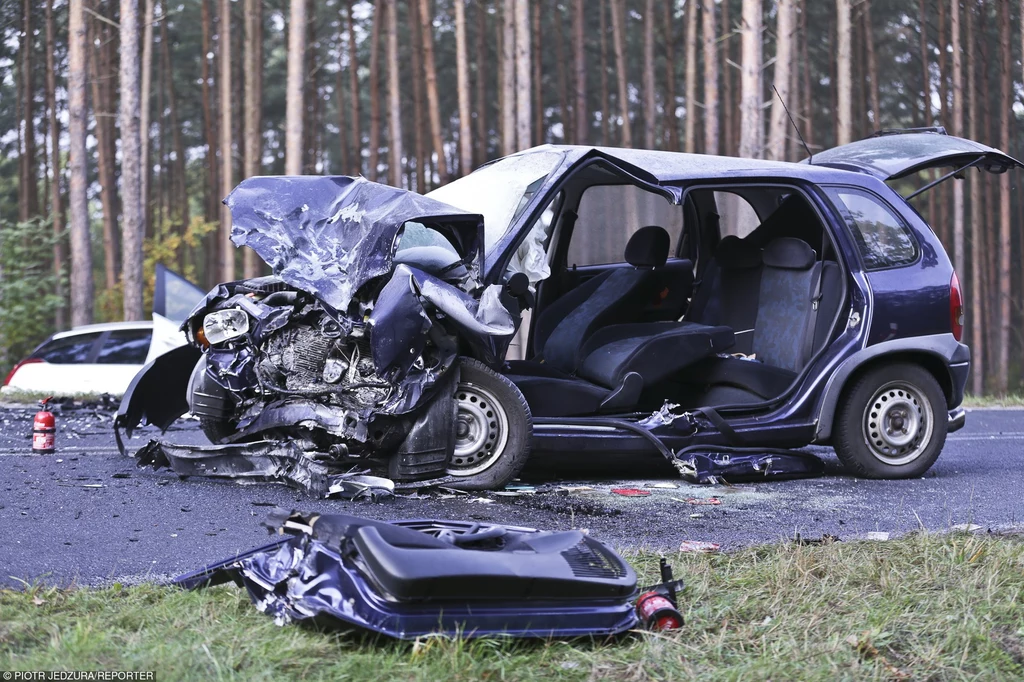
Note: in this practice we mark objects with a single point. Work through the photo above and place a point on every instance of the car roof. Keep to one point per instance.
(104, 327)
(680, 166)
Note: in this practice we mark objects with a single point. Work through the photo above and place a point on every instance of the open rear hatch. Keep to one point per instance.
(893, 154)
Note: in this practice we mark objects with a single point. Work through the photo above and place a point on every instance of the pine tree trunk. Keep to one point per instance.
(1006, 108)
(56, 204)
(807, 108)
(618, 39)
(523, 90)
(433, 108)
(943, 68)
(650, 100)
(507, 107)
(394, 98)
(538, 93)
(209, 124)
(564, 115)
(580, 109)
(144, 114)
(420, 125)
(108, 184)
(81, 284)
(869, 37)
(295, 103)
(671, 120)
(353, 94)
(958, 130)
(30, 183)
(926, 79)
(179, 199)
(311, 91)
(131, 163)
(728, 108)
(606, 103)
(462, 77)
(710, 45)
(253, 109)
(975, 316)
(480, 47)
(751, 120)
(784, 35)
(844, 73)
(691, 78)
(227, 249)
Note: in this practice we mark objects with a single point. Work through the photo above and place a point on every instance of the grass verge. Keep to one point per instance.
(922, 607)
(1010, 400)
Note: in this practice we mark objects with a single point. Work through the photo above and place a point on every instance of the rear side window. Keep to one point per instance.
(68, 350)
(883, 238)
(737, 216)
(608, 217)
(125, 347)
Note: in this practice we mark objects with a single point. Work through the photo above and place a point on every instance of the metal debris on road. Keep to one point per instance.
(699, 546)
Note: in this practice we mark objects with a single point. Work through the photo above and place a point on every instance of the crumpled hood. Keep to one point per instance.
(329, 235)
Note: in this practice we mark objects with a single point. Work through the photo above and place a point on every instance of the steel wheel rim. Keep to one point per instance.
(898, 423)
(481, 430)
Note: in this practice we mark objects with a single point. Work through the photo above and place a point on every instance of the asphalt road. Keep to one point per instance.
(87, 515)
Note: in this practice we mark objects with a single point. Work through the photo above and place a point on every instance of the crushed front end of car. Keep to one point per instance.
(350, 356)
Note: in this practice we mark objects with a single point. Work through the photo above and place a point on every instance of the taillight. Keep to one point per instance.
(29, 361)
(956, 308)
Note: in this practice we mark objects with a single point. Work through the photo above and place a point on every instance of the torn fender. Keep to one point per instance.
(158, 394)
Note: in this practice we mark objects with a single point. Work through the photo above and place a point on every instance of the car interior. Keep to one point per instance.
(721, 300)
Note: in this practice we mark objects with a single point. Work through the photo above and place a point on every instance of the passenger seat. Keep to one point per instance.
(730, 290)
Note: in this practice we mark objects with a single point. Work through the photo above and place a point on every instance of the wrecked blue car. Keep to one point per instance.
(581, 301)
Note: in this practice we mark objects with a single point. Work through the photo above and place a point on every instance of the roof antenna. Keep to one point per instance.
(810, 156)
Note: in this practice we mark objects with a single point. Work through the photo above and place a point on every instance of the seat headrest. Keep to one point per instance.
(648, 247)
(734, 253)
(788, 253)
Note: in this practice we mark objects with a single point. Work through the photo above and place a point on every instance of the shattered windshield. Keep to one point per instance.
(500, 191)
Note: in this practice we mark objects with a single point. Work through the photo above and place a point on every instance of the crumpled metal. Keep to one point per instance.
(331, 234)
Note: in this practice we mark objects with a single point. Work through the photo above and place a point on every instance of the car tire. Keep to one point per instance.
(891, 422)
(494, 428)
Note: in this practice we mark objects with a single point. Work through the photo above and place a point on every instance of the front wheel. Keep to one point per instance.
(493, 428)
(891, 423)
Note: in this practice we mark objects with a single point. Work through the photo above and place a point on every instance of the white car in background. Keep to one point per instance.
(96, 358)
(104, 358)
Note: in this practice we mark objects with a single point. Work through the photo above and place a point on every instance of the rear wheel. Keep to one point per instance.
(892, 423)
(493, 428)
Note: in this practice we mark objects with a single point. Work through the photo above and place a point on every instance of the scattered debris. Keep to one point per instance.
(408, 579)
(701, 500)
(631, 492)
(746, 464)
(699, 546)
(876, 535)
(965, 527)
(666, 486)
(825, 539)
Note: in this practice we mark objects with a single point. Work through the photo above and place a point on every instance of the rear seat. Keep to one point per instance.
(729, 291)
(792, 319)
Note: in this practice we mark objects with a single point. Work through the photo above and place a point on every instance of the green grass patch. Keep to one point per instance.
(922, 607)
(1010, 400)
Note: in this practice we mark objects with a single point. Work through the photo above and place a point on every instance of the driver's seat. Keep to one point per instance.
(616, 296)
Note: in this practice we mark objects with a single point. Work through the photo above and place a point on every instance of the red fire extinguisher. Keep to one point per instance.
(657, 606)
(44, 430)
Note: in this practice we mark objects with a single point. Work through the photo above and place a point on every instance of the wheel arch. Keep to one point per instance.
(933, 353)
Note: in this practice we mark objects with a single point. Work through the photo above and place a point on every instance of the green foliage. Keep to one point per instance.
(28, 287)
